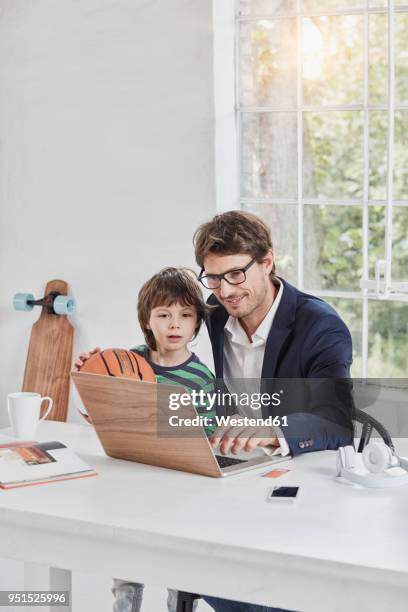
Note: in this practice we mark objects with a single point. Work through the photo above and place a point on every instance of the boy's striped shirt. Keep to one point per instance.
(193, 375)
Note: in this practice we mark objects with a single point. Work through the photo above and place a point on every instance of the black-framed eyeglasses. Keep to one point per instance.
(232, 277)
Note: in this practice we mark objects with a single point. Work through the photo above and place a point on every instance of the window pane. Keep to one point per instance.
(269, 155)
(268, 7)
(351, 311)
(378, 59)
(378, 155)
(333, 247)
(268, 63)
(401, 58)
(332, 60)
(283, 221)
(400, 244)
(387, 340)
(333, 154)
(376, 240)
(401, 156)
(376, 237)
(331, 5)
(378, 125)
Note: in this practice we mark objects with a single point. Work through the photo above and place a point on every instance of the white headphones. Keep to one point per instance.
(376, 458)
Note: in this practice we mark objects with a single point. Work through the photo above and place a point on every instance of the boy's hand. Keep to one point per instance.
(235, 439)
(82, 357)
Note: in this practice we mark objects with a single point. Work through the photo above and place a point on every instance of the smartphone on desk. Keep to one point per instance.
(283, 494)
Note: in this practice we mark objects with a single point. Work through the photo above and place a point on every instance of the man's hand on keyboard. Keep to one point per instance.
(235, 439)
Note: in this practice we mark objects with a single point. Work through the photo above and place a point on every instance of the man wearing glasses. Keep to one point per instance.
(261, 327)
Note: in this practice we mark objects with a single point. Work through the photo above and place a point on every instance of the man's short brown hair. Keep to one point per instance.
(167, 287)
(232, 233)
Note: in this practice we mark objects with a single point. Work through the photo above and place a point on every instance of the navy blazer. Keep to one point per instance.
(307, 340)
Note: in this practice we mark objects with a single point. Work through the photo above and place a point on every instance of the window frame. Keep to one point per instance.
(382, 286)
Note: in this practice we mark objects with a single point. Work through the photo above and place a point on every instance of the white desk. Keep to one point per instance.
(339, 548)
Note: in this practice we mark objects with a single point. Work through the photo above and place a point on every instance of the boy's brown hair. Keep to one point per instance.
(167, 287)
(231, 233)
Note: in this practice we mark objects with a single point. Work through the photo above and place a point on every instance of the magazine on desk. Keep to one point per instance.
(26, 463)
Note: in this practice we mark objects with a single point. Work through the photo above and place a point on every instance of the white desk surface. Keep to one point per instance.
(340, 547)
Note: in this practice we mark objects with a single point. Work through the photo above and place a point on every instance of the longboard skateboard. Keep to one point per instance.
(49, 357)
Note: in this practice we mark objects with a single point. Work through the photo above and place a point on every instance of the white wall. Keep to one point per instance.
(106, 158)
(106, 169)
(226, 133)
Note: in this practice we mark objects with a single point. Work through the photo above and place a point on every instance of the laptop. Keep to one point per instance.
(132, 421)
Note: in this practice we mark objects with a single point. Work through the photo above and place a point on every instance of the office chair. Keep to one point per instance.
(370, 424)
(185, 601)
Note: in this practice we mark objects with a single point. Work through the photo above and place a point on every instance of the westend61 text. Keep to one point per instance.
(212, 400)
(227, 421)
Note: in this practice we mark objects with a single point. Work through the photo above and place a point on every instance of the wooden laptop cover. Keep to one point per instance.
(131, 419)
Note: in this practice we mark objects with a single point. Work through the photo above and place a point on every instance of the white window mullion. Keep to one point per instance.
(364, 334)
(356, 295)
(299, 104)
(320, 201)
(374, 10)
(311, 108)
(238, 113)
(390, 148)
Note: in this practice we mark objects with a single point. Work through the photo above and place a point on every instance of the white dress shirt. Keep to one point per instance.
(243, 359)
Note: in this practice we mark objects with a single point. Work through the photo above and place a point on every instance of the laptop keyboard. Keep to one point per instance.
(227, 461)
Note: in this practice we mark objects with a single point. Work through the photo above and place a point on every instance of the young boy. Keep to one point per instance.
(170, 310)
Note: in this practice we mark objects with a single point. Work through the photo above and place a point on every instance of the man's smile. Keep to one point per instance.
(234, 301)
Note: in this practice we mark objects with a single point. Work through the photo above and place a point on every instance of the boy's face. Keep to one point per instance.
(173, 326)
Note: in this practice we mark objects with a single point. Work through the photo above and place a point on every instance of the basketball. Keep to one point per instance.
(119, 362)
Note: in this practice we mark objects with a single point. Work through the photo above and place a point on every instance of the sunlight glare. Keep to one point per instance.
(312, 51)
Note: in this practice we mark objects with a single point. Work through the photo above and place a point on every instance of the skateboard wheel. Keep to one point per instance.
(64, 305)
(20, 301)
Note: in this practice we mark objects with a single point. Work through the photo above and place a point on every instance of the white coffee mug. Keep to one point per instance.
(24, 413)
